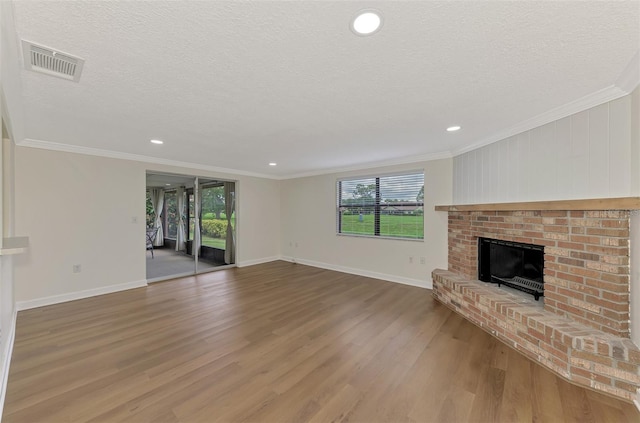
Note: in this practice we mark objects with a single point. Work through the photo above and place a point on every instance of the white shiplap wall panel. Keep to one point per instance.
(599, 148)
(547, 172)
(457, 182)
(502, 169)
(534, 159)
(564, 172)
(466, 166)
(498, 170)
(476, 168)
(491, 181)
(579, 155)
(468, 177)
(469, 186)
(635, 144)
(512, 165)
(460, 194)
(523, 165)
(586, 155)
(461, 181)
(619, 150)
(484, 171)
(472, 188)
(539, 163)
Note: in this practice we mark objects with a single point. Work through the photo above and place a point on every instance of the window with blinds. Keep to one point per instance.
(390, 206)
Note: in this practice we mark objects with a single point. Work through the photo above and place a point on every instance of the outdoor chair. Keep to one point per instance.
(151, 237)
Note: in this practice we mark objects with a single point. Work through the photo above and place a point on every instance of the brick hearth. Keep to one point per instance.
(586, 258)
(582, 333)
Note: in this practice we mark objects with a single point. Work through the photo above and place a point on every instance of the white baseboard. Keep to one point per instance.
(427, 284)
(78, 295)
(246, 263)
(6, 353)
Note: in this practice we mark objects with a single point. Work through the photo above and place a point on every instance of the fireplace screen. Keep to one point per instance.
(520, 266)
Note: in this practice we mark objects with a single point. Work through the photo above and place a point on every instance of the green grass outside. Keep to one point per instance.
(405, 226)
(220, 243)
(210, 241)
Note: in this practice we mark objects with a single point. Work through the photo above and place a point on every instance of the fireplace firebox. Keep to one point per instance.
(514, 264)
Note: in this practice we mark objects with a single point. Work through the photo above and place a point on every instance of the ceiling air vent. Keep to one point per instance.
(51, 62)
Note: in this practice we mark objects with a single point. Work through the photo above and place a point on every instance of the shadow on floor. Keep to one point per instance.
(167, 262)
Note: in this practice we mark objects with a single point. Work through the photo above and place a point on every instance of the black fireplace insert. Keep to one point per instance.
(514, 264)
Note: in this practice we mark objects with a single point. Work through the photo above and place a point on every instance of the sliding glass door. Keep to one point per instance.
(195, 222)
(217, 222)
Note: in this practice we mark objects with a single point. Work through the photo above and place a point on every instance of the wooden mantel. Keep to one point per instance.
(624, 203)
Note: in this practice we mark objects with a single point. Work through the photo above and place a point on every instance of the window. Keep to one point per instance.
(389, 206)
(191, 212)
(151, 215)
(171, 214)
(214, 218)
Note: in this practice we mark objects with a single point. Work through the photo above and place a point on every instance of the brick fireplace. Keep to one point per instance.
(582, 333)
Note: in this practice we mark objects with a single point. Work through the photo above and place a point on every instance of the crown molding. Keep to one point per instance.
(597, 98)
(629, 79)
(626, 83)
(68, 148)
(371, 165)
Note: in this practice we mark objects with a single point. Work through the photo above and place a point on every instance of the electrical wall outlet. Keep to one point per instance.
(77, 268)
(423, 260)
(410, 259)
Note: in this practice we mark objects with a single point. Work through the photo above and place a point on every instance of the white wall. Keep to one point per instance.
(586, 155)
(78, 209)
(9, 94)
(7, 285)
(7, 303)
(259, 221)
(11, 86)
(308, 218)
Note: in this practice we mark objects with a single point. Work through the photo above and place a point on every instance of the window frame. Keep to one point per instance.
(165, 214)
(376, 205)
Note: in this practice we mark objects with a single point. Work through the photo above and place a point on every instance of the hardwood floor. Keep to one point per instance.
(279, 342)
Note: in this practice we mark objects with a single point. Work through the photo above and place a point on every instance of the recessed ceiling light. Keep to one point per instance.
(453, 128)
(157, 142)
(273, 164)
(168, 185)
(366, 22)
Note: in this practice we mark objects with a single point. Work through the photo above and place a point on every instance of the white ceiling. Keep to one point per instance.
(239, 84)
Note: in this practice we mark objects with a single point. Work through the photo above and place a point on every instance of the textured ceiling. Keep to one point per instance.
(240, 84)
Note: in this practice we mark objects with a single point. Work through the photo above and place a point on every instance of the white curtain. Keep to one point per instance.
(181, 235)
(157, 200)
(195, 251)
(230, 206)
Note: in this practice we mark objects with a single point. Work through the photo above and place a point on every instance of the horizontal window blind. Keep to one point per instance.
(386, 206)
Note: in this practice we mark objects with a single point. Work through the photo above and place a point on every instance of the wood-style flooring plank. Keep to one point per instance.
(278, 342)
